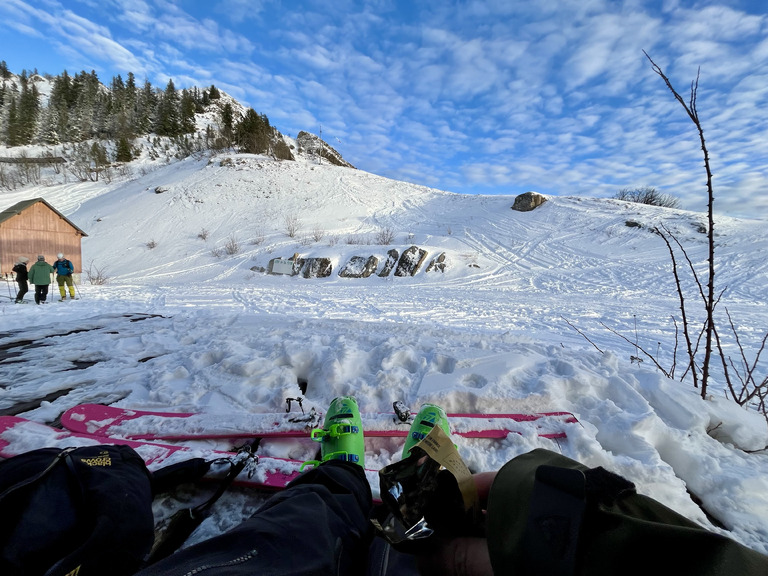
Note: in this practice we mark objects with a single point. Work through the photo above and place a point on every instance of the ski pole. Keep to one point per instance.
(10, 295)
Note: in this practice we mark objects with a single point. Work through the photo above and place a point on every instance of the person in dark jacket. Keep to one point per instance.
(64, 270)
(40, 276)
(20, 268)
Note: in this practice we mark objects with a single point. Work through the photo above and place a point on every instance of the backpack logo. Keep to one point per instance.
(103, 459)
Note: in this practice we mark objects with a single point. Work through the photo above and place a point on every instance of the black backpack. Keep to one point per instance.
(75, 511)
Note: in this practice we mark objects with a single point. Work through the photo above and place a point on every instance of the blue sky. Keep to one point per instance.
(493, 96)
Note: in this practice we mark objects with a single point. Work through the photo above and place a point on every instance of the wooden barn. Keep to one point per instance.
(35, 227)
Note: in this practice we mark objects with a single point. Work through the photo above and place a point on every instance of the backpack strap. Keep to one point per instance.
(559, 502)
(169, 477)
(181, 525)
(37, 477)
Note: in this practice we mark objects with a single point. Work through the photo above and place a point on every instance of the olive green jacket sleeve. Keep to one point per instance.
(549, 515)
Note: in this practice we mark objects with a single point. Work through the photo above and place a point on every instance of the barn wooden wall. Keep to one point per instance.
(38, 230)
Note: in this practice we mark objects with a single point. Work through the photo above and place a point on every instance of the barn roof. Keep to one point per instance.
(19, 207)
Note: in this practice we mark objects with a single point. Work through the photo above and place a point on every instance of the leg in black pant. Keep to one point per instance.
(318, 525)
(23, 288)
(41, 292)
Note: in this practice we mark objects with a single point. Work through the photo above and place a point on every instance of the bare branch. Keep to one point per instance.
(681, 297)
(582, 334)
(650, 356)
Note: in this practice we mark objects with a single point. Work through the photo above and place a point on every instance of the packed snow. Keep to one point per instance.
(527, 317)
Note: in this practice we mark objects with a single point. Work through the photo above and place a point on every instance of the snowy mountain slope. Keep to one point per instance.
(181, 327)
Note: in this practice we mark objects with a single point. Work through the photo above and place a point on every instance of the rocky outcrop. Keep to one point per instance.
(410, 261)
(314, 267)
(407, 264)
(437, 264)
(312, 145)
(359, 267)
(392, 257)
(528, 201)
(306, 267)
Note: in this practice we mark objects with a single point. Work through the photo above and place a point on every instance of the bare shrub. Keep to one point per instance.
(258, 238)
(232, 246)
(9, 178)
(647, 195)
(203, 234)
(318, 234)
(357, 239)
(151, 244)
(292, 225)
(385, 236)
(96, 275)
(124, 170)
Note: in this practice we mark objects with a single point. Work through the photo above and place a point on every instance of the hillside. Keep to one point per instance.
(186, 326)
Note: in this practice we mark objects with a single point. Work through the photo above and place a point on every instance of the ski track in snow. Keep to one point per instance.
(180, 328)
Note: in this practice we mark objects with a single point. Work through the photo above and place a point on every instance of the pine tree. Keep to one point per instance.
(86, 115)
(131, 104)
(146, 109)
(187, 112)
(167, 122)
(117, 114)
(227, 119)
(47, 129)
(253, 133)
(123, 151)
(60, 103)
(12, 129)
(98, 155)
(25, 114)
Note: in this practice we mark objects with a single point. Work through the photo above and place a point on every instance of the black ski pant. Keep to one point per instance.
(41, 293)
(23, 289)
(318, 525)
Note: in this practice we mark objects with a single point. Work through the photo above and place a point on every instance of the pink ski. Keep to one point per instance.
(149, 425)
(18, 435)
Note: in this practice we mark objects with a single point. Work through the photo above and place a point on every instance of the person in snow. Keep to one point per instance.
(20, 268)
(64, 270)
(546, 515)
(40, 276)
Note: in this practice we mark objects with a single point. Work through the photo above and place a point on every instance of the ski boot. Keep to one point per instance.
(428, 417)
(341, 436)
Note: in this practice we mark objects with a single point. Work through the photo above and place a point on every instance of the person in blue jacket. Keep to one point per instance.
(64, 270)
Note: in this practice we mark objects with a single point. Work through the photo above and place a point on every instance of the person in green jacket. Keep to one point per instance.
(40, 276)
